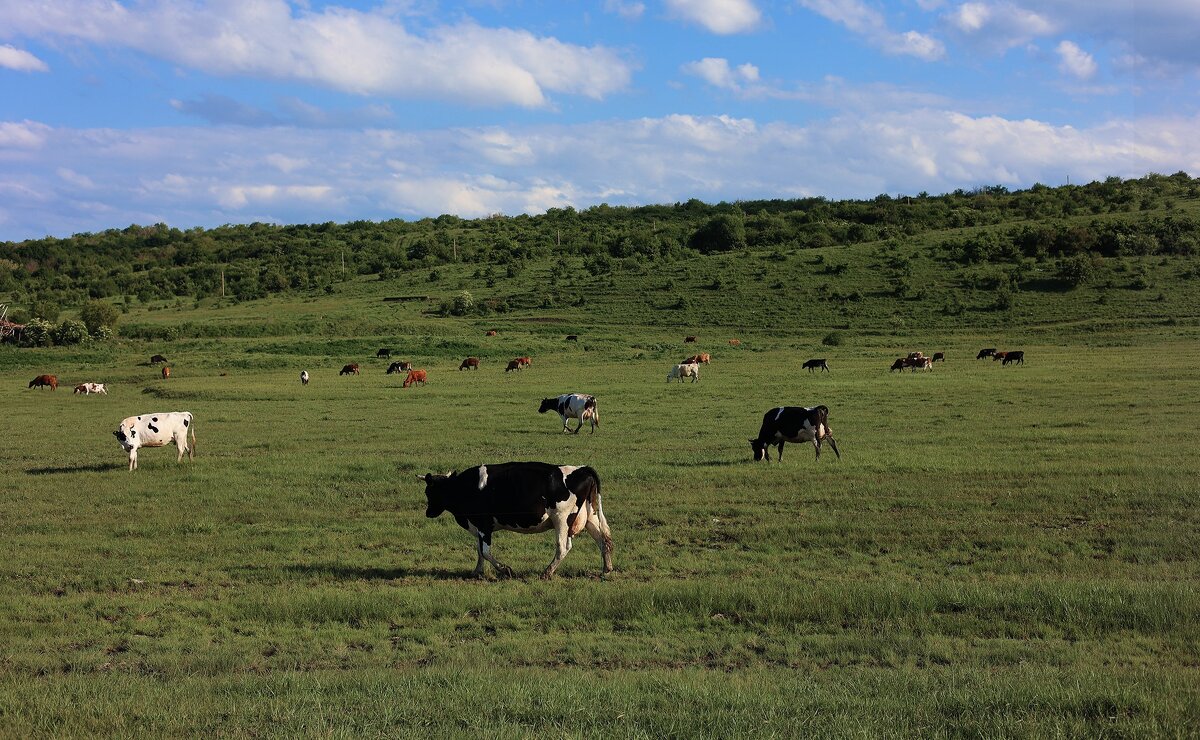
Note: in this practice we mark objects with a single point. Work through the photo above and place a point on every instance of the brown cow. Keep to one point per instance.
(490, 333)
(689, 339)
(513, 365)
(414, 376)
(166, 371)
(999, 356)
(471, 363)
(525, 361)
(351, 369)
(42, 381)
(735, 343)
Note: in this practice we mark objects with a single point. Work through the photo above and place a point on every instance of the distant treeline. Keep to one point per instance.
(254, 260)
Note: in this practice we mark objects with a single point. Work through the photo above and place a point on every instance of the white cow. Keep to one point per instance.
(304, 377)
(573, 406)
(685, 370)
(157, 430)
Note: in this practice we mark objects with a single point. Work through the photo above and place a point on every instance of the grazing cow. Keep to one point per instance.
(813, 365)
(81, 388)
(573, 406)
(166, 372)
(402, 366)
(513, 365)
(793, 424)
(939, 356)
(89, 388)
(156, 359)
(1017, 356)
(702, 357)
(414, 377)
(915, 356)
(899, 364)
(684, 370)
(920, 363)
(384, 352)
(527, 497)
(471, 363)
(351, 369)
(42, 381)
(490, 333)
(999, 356)
(735, 343)
(689, 339)
(157, 430)
(303, 377)
(985, 352)
(572, 337)
(525, 361)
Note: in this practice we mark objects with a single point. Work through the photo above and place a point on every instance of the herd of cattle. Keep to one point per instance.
(527, 497)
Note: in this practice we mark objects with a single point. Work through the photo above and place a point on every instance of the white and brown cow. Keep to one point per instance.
(88, 389)
(795, 424)
(684, 370)
(527, 497)
(579, 406)
(157, 430)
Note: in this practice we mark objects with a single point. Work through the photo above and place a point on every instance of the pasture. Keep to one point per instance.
(1001, 551)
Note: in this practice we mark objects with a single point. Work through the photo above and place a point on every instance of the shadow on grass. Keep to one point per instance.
(95, 468)
(356, 573)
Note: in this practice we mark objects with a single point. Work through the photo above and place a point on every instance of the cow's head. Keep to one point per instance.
(437, 488)
(548, 404)
(125, 439)
(760, 449)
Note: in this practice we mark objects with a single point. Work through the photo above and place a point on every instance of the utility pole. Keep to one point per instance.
(454, 245)
(222, 282)
(343, 263)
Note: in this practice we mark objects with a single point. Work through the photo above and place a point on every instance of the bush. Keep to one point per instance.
(462, 304)
(70, 331)
(97, 315)
(1077, 270)
(833, 339)
(37, 333)
(104, 334)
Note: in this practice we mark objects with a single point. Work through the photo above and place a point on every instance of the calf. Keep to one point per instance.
(573, 406)
(303, 377)
(735, 343)
(351, 369)
(526, 497)
(157, 430)
(985, 352)
(42, 381)
(939, 356)
(414, 377)
(1017, 356)
(793, 424)
(684, 370)
(471, 363)
(156, 359)
(813, 365)
(490, 333)
(166, 372)
(399, 367)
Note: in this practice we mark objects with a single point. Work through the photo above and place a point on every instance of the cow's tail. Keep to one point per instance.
(585, 484)
(823, 420)
(192, 426)
(590, 405)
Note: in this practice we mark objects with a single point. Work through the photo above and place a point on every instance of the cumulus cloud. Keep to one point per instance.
(717, 72)
(625, 9)
(22, 61)
(208, 176)
(367, 53)
(858, 17)
(1075, 61)
(718, 16)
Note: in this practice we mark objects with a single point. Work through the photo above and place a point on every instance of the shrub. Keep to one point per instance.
(462, 304)
(833, 339)
(45, 309)
(1077, 270)
(70, 331)
(37, 333)
(97, 315)
(104, 334)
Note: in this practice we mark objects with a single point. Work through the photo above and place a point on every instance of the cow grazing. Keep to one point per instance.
(939, 356)
(399, 367)
(166, 372)
(701, 358)
(999, 356)
(985, 352)
(572, 337)
(157, 430)
(88, 389)
(513, 365)
(81, 388)
(525, 361)
(899, 364)
(915, 356)
(384, 353)
(156, 359)
(490, 333)
(1017, 356)
(351, 369)
(471, 363)
(814, 365)
(921, 363)
(795, 424)
(43, 381)
(303, 377)
(414, 377)
(573, 406)
(527, 497)
(689, 339)
(684, 370)
(735, 343)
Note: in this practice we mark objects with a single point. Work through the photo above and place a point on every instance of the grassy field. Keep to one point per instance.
(1001, 551)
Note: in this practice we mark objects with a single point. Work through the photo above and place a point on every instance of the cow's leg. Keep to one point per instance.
(597, 527)
(562, 546)
(780, 452)
(576, 431)
(564, 421)
(817, 446)
(485, 552)
(479, 558)
(133, 459)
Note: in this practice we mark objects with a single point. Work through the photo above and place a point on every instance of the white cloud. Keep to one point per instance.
(627, 10)
(368, 53)
(718, 16)
(210, 176)
(717, 72)
(19, 135)
(870, 24)
(1075, 61)
(20, 60)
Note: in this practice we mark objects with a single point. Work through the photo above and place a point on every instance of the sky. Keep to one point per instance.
(210, 112)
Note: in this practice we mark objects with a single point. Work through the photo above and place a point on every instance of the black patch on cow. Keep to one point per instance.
(185, 422)
(132, 433)
(152, 428)
(154, 419)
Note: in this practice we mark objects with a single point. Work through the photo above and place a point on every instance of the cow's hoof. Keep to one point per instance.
(546, 576)
(478, 575)
(505, 571)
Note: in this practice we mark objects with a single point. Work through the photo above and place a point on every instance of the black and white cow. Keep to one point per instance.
(157, 430)
(795, 424)
(303, 377)
(817, 364)
(527, 497)
(573, 406)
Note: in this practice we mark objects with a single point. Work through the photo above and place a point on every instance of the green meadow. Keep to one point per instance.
(999, 552)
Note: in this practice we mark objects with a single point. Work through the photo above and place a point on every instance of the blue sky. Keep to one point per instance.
(206, 112)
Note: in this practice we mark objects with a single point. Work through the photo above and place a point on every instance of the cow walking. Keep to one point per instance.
(471, 363)
(527, 497)
(795, 424)
(166, 372)
(579, 406)
(402, 366)
(303, 377)
(813, 365)
(1017, 356)
(985, 352)
(157, 430)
